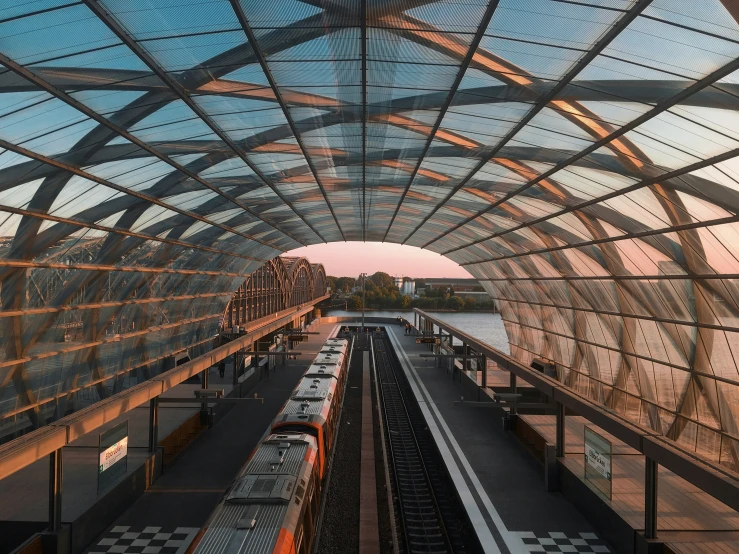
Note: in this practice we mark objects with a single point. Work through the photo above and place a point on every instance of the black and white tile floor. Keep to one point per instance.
(145, 540)
(561, 542)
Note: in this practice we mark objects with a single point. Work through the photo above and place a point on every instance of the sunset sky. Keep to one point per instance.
(349, 259)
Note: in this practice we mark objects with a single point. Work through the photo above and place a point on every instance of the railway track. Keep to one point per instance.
(427, 508)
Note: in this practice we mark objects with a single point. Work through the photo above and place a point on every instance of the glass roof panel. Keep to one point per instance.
(575, 156)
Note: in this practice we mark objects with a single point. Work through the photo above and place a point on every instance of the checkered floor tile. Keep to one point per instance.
(145, 540)
(561, 542)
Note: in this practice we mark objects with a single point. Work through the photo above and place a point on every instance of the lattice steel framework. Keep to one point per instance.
(579, 158)
(279, 284)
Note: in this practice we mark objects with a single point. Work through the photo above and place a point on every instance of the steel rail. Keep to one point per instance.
(420, 512)
(330, 464)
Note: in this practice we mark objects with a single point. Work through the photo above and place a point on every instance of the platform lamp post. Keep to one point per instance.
(364, 281)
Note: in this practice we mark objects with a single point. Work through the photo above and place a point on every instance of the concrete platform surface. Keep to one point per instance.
(498, 480)
(187, 493)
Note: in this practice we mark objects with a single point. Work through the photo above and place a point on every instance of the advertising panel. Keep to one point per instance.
(112, 455)
(598, 456)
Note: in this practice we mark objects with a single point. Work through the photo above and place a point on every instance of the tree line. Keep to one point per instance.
(381, 293)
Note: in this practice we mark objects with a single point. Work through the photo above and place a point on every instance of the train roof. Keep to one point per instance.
(329, 358)
(323, 370)
(311, 397)
(258, 505)
(312, 383)
(334, 348)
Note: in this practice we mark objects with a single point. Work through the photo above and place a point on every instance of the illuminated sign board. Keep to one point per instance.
(598, 456)
(112, 455)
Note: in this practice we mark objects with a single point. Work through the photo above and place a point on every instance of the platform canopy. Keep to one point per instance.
(578, 157)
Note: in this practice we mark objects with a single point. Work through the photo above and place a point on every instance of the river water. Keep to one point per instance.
(483, 326)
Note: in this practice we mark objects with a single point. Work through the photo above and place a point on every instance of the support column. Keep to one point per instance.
(204, 378)
(450, 345)
(236, 370)
(560, 444)
(55, 491)
(484, 369)
(255, 349)
(513, 386)
(153, 424)
(651, 475)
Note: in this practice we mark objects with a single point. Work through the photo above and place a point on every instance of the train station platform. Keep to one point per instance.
(176, 501)
(499, 482)
(501, 476)
(689, 520)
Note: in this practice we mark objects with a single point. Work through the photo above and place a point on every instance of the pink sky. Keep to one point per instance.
(349, 259)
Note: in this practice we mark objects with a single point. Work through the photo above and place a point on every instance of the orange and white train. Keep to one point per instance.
(273, 506)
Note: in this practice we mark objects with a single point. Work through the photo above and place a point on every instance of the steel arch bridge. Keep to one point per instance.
(578, 158)
(279, 284)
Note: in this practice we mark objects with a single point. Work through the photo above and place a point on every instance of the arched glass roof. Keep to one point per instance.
(578, 157)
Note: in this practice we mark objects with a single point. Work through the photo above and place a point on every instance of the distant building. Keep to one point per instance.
(459, 285)
(409, 288)
(398, 282)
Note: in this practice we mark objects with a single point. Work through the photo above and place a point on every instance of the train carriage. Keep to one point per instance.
(313, 408)
(325, 366)
(273, 505)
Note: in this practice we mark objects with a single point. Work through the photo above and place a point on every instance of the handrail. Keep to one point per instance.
(716, 480)
(33, 446)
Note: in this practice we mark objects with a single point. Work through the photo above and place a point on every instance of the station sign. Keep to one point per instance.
(297, 338)
(427, 340)
(598, 457)
(112, 455)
